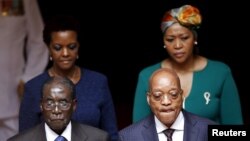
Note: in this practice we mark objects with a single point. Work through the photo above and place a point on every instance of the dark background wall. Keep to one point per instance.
(122, 37)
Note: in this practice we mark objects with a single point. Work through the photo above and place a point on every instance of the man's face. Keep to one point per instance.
(165, 97)
(57, 106)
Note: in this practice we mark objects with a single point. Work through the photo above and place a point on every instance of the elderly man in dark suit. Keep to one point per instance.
(57, 105)
(168, 121)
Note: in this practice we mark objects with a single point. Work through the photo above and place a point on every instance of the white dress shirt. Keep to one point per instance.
(51, 135)
(178, 126)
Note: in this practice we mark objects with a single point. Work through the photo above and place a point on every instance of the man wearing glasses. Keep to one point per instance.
(57, 105)
(168, 121)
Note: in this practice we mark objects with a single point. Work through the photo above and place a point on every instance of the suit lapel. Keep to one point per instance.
(39, 133)
(190, 132)
(149, 132)
(77, 134)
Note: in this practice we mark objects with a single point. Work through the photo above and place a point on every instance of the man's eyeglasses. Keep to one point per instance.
(159, 95)
(62, 105)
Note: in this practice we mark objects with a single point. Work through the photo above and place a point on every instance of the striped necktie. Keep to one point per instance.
(169, 133)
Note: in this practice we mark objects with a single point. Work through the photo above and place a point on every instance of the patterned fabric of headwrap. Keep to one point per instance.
(186, 15)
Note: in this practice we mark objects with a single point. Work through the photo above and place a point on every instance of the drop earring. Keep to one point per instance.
(164, 46)
(196, 43)
(50, 58)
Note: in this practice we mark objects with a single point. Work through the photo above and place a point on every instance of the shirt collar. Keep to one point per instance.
(177, 125)
(51, 135)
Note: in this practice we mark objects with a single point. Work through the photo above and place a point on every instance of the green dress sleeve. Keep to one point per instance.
(141, 108)
(230, 102)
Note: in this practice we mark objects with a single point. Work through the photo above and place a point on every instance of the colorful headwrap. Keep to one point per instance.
(186, 15)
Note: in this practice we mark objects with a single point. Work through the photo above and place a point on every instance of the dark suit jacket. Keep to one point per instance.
(195, 129)
(79, 132)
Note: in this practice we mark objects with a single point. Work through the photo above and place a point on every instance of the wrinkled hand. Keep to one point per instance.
(20, 89)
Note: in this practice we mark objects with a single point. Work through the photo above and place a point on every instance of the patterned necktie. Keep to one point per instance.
(60, 138)
(169, 133)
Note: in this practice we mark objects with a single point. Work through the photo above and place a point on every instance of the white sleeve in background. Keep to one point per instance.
(36, 50)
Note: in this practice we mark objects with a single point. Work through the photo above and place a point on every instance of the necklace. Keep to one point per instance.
(74, 77)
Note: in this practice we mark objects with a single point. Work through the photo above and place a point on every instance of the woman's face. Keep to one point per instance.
(64, 49)
(179, 42)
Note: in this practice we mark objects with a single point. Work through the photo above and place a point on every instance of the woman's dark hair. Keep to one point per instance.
(60, 23)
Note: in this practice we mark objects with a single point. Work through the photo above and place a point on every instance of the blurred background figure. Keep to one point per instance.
(23, 56)
(208, 85)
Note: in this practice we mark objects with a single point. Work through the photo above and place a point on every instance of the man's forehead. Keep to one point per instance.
(56, 89)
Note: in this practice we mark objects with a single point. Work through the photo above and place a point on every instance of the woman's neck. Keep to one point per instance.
(185, 67)
(73, 74)
(195, 63)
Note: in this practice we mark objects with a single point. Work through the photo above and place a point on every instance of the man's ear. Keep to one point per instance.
(41, 106)
(182, 95)
(148, 99)
(74, 104)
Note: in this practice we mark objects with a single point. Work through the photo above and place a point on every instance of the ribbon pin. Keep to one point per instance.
(207, 97)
